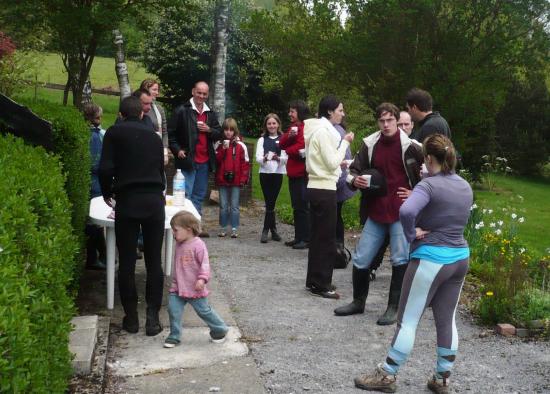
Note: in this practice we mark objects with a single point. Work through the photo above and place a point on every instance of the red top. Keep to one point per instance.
(296, 165)
(233, 159)
(201, 149)
(387, 159)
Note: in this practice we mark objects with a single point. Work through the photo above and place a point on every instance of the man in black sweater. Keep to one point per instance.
(131, 171)
(427, 122)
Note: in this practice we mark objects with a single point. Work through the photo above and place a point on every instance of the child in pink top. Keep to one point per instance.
(191, 272)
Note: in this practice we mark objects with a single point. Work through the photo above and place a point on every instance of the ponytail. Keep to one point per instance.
(442, 149)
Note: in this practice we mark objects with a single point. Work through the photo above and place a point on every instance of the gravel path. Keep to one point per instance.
(300, 346)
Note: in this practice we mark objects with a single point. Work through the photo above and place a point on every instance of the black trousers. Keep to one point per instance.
(271, 186)
(300, 206)
(322, 245)
(95, 245)
(145, 210)
(339, 223)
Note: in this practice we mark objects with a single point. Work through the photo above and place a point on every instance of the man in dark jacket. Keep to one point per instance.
(428, 122)
(131, 171)
(391, 158)
(192, 131)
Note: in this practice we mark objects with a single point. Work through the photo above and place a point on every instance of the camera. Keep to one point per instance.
(229, 176)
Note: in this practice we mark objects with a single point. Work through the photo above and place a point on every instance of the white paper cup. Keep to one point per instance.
(226, 143)
(367, 177)
(302, 152)
(270, 155)
(294, 130)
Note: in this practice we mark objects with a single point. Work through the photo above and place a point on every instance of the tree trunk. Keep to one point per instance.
(121, 68)
(221, 31)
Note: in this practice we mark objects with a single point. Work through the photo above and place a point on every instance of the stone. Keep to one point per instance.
(522, 332)
(536, 324)
(506, 329)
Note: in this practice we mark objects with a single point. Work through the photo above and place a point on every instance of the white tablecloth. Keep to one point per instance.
(99, 212)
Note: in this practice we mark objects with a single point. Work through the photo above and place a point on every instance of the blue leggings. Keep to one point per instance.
(428, 284)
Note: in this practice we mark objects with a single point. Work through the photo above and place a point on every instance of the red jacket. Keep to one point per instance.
(233, 159)
(296, 165)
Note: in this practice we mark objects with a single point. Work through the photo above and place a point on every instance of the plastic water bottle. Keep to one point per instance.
(178, 189)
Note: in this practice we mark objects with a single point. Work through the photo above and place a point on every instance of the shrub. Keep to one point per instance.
(37, 250)
(71, 139)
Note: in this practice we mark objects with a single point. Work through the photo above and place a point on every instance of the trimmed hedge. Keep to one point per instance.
(71, 138)
(37, 251)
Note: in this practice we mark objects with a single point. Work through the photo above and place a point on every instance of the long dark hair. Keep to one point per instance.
(301, 108)
(328, 103)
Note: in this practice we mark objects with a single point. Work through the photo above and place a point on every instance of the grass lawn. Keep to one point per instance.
(534, 206)
(50, 69)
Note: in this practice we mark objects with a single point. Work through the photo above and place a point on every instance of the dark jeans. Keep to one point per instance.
(322, 245)
(145, 210)
(300, 207)
(271, 186)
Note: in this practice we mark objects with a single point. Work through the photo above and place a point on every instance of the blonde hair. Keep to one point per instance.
(442, 149)
(148, 83)
(231, 124)
(186, 220)
(277, 119)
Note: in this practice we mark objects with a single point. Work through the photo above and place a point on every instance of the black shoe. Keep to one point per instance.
(291, 243)
(265, 234)
(300, 245)
(324, 293)
(152, 324)
(275, 236)
(130, 324)
(97, 266)
(332, 287)
(204, 234)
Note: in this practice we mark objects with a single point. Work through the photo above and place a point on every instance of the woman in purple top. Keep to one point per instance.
(433, 219)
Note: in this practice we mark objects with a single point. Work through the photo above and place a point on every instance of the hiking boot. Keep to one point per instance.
(234, 233)
(275, 236)
(222, 234)
(379, 380)
(439, 386)
(265, 234)
(218, 337)
(152, 323)
(130, 323)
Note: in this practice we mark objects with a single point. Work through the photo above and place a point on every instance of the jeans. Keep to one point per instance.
(229, 206)
(176, 305)
(372, 239)
(196, 184)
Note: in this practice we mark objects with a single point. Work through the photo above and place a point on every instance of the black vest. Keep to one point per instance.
(271, 145)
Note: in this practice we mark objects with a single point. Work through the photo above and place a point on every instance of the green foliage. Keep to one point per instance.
(71, 139)
(490, 170)
(37, 250)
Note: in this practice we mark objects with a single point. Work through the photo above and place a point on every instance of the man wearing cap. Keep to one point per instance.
(385, 170)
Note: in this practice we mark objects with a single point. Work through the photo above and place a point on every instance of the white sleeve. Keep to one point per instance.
(260, 150)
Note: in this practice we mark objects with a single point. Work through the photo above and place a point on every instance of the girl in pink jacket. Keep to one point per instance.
(191, 273)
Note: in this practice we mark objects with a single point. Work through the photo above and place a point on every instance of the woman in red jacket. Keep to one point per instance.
(292, 142)
(232, 172)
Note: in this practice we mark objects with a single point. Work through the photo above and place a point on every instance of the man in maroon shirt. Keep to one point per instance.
(192, 130)
(397, 158)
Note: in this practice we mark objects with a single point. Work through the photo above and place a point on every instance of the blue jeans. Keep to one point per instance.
(176, 305)
(229, 206)
(372, 238)
(196, 184)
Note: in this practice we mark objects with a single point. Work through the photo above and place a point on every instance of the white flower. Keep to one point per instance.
(508, 169)
(474, 206)
(504, 209)
(484, 210)
(492, 224)
(479, 225)
(514, 216)
(521, 250)
(521, 219)
(520, 197)
(498, 231)
(490, 211)
(500, 222)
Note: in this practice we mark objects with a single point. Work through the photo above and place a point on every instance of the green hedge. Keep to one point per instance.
(37, 251)
(71, 138)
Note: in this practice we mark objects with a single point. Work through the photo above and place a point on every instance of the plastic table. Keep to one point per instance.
(99, 212)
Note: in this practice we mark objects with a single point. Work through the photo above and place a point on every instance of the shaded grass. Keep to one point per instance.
(102, 75)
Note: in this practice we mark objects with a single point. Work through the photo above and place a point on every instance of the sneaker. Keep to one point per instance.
(380, 380)
(439, 386)
(234, 233)
(218, 338)
(324, 293)
(222, 234)
(170, 343)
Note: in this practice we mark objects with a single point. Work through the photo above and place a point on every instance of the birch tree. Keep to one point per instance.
(219, 58)
(121, 68)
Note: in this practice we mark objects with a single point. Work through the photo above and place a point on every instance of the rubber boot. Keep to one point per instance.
(265, 234)
(360, 278)
(390, 316)
(152, 323)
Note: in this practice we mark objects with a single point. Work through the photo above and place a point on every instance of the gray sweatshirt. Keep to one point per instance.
(440, 204)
